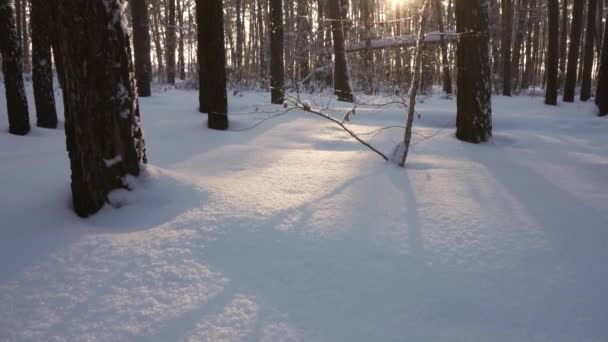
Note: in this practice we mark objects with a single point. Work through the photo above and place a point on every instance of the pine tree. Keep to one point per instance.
(589, 52)
(552, 53)
(277, 68)
(16, 102)
(341, 76)
(103, 133)
(212, 63)
(141, 47)
(573, 51)
(474, 116)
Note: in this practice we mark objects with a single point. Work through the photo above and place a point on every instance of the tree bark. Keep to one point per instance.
(16, 102)
(103, 133)
(474, 116)
(507, 40)
(277, 68)
(552, 53)
(589, 52)
(573, 52)
(170, 42)
(212, 63)
(42, 71)
(341, 78)
(141, 46)
(601, 94)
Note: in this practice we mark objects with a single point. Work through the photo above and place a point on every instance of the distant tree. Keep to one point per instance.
(42, 70)
(507, 39)
(474, 115)
(277, 68)
(16, 102)
(213, 99)
(573, 51)
(589, 52)
(103, 133)
(563, 42)
(342, 87)
(552, 53)
(170, 42)
(445, 64)
(141, 46)
(601, 95)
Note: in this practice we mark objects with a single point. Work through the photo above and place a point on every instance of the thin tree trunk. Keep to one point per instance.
(141, 46)
(474, 114)
(170, 43)
(277, 68)
(573, 52)
(507, 38)
(563, 43)
(16, 102)
(42, 75)
(341, 78)
(181, 59)
(445, 65)
(552, 53)
(589, 52)
(103, 133)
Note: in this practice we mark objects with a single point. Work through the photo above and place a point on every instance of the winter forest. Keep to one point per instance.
(303, 170)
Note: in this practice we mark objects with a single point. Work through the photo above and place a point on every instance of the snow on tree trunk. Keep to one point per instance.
(341, 79)
(212, 63)
(601, 95)
(104, 137)
(277, 68)
(141, 46)
(552, 53)
(474, 117)
(16, 102)
(589, 53)
(574, 49)
(42, 71)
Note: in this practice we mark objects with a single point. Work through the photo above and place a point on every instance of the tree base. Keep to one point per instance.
(218, 122)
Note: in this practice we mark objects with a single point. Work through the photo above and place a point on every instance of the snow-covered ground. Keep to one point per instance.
(291, 231)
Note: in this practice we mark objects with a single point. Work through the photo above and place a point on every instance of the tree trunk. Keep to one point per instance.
(42, 72)
(16, 102)
(507, 39)
(181, 59)
(563, 42)
(239, 40)
(157, 41)
(262, 41)
(104, 137)
(141, 46)
(601, 95)
(552, 53)
(170, 43)
(573, 52)
(277, 68)
(25, 44)
(519, 39)
(589, 51)
(474, 116)
(212, 63)
(445, 64)
(341, 78)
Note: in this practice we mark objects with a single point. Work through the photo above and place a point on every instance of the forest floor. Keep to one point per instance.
(292, 231)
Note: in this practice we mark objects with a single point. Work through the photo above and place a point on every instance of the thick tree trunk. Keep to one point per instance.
(573, 52)
(212, 63)
(341, 78)
(552, 53)
(474, 117)
(445, 64)
(601, 95)
(507, 40)
(277, 68)
(141, 45)
(104, 137)
(589, 52)
(42, 71)
(170, 42)
(25, 43)
(16, 102)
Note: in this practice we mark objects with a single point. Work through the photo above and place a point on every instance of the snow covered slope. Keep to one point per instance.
(291, 231)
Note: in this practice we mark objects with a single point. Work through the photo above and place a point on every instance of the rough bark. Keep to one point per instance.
(16, 102)
(42, 71)
(552, 53)
(507, 40)
(277, 68)
(589, 52)
(103, 133)
(474, 113)
(212, 63)
(573, 51)
(141, 46)
(341, 78)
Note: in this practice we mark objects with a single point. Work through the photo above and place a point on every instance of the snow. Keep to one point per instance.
(291, 231)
